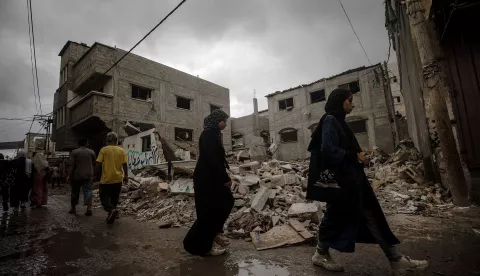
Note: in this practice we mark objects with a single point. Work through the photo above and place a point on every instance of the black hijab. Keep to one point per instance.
(334, 107)
(212, 120)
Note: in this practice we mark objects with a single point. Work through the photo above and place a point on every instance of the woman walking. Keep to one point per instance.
(213, 198)
(39, 195)
(7, 180)
(23, 181)
(336, 176)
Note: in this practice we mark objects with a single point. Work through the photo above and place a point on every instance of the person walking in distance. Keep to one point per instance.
(337, 177)
(112, 162)
(80, 175)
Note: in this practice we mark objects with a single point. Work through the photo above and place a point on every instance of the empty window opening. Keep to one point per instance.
(288, 135)
(213, 107)
(237, 140)
(182, 134)
(146, 143)
(394, 79)
(183, 103)
(359, 126)
(317, 96)
(397, 100)
(266, 136)
(353, 86)
(141, 93)
(286, 104)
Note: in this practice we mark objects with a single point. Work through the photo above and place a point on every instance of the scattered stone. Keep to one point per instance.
(239, 203)
(260, 199)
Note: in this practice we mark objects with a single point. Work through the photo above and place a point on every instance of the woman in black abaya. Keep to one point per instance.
(213, 198)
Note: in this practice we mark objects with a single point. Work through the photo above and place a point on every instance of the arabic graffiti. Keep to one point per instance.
(137, 159)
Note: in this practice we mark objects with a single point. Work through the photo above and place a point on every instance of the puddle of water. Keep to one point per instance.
(256, 267)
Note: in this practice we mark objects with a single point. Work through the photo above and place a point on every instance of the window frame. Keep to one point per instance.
(351, 123)
(147, 138)
(189, 131)
(284, 132)
(322, 99)
(149, 95)
(286, 106)
(183, 99)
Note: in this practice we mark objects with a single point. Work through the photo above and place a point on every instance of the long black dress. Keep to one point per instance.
(213, 200)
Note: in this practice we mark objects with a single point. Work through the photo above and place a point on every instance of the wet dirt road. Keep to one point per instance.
(49, 241)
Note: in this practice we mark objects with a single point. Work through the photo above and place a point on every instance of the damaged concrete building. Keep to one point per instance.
(137, 92)
(294, 113)
(251, 133)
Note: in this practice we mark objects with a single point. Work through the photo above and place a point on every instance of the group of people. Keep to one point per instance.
(84, 167)
(353, 214)
(23, 181)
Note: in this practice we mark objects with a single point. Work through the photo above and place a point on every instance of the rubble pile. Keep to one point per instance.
(270, 196)
(398, 181)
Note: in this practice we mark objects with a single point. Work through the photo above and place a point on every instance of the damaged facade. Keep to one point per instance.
(137, 92)
(437, 54)
(251, 134)
(294, 113)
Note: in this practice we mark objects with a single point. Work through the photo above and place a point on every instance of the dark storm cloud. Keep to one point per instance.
(265, 45)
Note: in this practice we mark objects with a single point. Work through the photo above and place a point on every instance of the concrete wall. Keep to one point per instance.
(394, 77)
(369, 106)
(246, 126)
(166, 83)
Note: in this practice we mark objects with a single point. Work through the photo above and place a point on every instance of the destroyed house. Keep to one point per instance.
(294, 113)
(138, 91)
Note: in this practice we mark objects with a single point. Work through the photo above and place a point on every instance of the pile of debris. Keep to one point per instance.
(270, 206)
(398, 181)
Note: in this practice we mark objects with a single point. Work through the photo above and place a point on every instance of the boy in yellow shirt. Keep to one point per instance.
(112, 162)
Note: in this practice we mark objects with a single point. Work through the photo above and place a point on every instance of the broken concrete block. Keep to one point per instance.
(243, 189)
(260, 199)
(300, 209)
(162, 186)
(250, 180)
(298, 226)
(277, 180)
(286, 168)
(252, 166)
(275, 220)
(400, 195)
(239, 203)
(234, 169)
(182, 186)
(290, 178)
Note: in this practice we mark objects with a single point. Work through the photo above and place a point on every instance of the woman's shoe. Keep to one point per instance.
(216, 250)
(405, 265)
(221, 240)
(326, 261)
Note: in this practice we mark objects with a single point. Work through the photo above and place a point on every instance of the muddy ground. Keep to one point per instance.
(48, 241)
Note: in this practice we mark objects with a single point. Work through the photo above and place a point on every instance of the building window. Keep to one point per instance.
(60, 117)
(213, 107)
(39, 143)
(237, 140)
(358, 126)
(141, 93)
(182, 134)
(286, 104)
(64, 75)
(288, 135)
(146, 143)
(394, 79)
(183, 103)
(397, 100)
(353, 86)
(266, 137)
(317, 96)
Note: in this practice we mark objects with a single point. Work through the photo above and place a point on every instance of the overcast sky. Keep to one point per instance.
(266, 45)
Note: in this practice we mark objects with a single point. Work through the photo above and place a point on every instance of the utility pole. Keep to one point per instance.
(390, 105)
(435, 87)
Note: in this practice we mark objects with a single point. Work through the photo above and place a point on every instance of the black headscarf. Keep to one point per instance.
(212, 120)
(334, 107)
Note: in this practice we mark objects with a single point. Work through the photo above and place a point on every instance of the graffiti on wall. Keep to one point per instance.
(137, 158)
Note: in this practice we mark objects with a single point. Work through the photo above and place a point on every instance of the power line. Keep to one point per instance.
(35, 55)
(129, 51)
(16, 119)
(351, 25)
(31, 57)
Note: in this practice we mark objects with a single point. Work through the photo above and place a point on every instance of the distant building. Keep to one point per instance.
(394, 76)
(37, 143)
(137, 92)
(294, 113)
